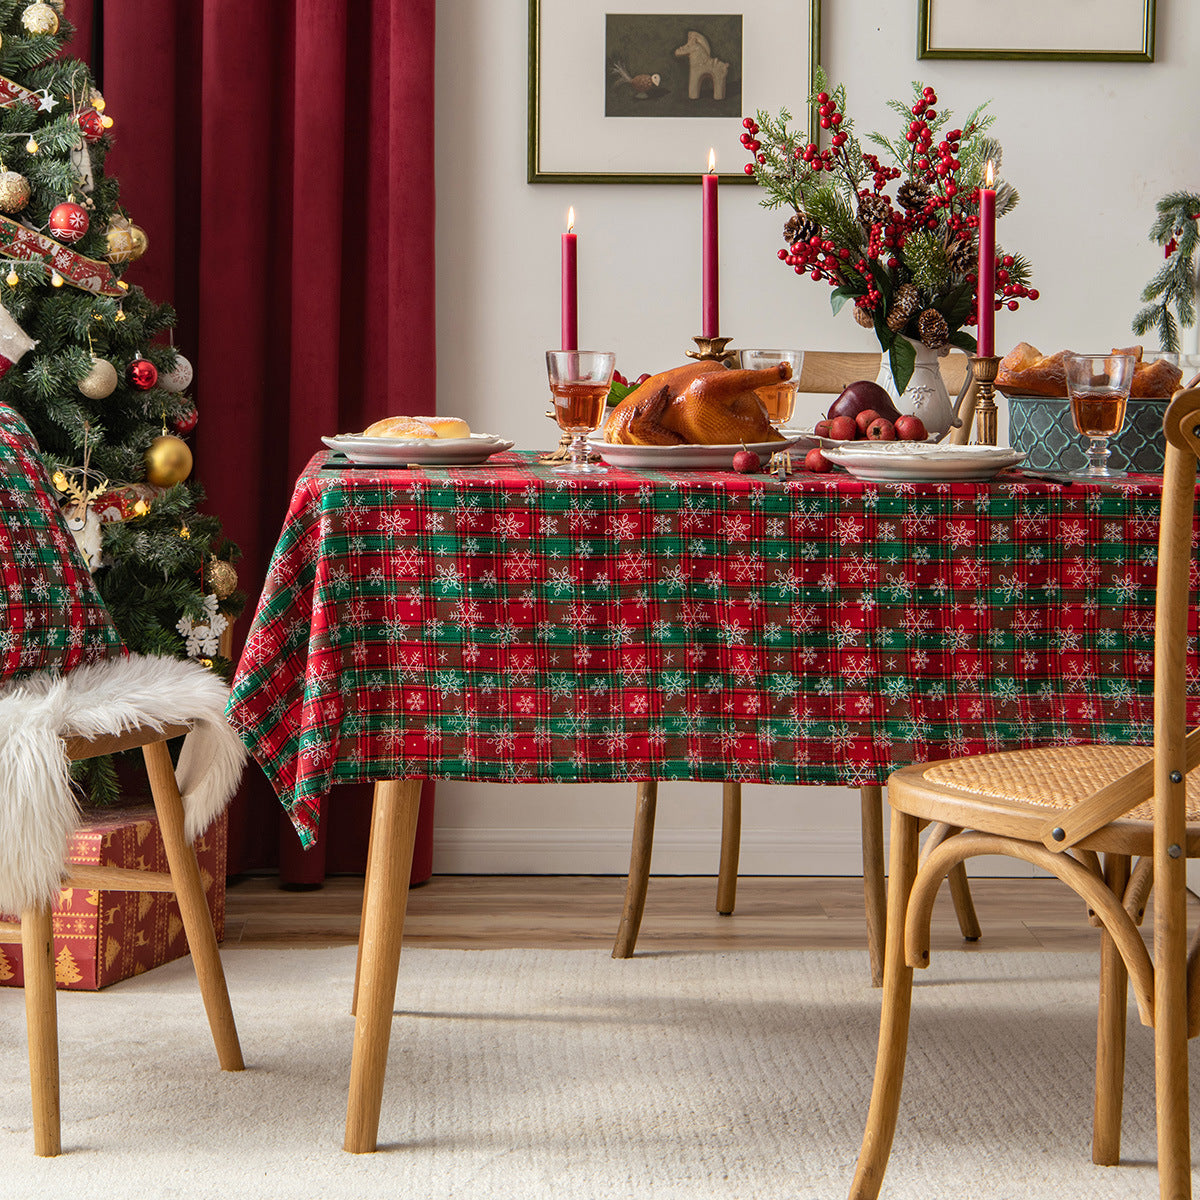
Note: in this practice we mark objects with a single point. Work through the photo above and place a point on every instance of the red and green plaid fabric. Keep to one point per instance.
(51, 615)
(501, 623)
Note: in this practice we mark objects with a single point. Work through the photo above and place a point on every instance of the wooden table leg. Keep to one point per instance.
(394, 824)
(731, 842)
(874, 887)
(41, 1018)
(639, 870)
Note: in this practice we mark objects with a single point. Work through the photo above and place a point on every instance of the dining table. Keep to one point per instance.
(501, 622)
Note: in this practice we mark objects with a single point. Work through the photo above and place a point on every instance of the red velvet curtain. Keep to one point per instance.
(279, 156)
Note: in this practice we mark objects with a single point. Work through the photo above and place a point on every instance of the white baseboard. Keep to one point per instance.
(599, 851)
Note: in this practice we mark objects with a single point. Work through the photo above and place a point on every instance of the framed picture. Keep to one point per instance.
(1103, 30)
(639, 91)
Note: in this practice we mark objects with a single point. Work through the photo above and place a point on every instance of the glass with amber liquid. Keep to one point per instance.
(1098, 386)
(579, 385)
(779, 399)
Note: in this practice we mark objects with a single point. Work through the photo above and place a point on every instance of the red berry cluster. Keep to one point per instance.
(1009, 292)
(817, 257)
(750, 141)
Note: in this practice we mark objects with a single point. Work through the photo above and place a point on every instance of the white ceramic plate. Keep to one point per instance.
(903, 461)
(674, 458)
(427, 452)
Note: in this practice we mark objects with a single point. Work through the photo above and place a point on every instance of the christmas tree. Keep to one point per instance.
(85, 357)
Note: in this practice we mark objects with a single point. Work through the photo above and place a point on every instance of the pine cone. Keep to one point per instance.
(904, 304)
(864, 318)
(933, 329)
(800, 228)
(913, 193)
(873, 209)
(961, 255)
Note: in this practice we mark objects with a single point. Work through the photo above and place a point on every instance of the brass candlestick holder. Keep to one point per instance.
(712, 349)
(984, 368)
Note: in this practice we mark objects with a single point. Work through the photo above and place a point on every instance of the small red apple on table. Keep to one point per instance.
(910, 428)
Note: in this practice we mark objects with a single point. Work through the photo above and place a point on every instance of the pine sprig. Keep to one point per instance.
(1175, 283)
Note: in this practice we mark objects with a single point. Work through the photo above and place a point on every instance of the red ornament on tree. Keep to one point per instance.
(142, 374)
(187, 422)
(69, 221)
(92, 124)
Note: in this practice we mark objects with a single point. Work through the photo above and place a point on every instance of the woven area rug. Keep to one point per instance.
(565, 1074)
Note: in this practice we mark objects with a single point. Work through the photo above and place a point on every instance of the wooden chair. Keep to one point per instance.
(1061, 809)
(823, 372)
(35, 933)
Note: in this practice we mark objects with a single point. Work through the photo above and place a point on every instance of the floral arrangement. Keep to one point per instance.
(908, 262)
(1175, 230)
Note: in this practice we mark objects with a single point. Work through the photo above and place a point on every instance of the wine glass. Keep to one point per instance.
(779, 399)
(579, 384)
(1098, 385)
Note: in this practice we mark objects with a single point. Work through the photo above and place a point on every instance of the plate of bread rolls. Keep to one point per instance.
(1026, 371)
(424, 441)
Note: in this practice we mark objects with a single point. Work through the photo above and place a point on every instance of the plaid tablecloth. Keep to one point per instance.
(500, 623)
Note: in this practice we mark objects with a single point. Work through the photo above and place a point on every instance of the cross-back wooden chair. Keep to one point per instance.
(822, 372)
(34, 929)
(1061, 809)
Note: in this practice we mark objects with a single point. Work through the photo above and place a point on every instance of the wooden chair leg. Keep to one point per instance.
(394, 817)
(964, 906)
(893, 1022)
(362, 920)
(874, 886)
(193, 908)
(41, 1022)
(731, 843)
(1110, 1033)
(639, 870)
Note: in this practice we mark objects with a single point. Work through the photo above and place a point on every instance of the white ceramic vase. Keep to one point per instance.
(926, 395)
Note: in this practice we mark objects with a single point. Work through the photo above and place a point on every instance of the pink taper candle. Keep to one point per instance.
(710, 322)
(986, 337)
(570, 287)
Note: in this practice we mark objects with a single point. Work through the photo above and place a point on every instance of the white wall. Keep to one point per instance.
(1090, 146)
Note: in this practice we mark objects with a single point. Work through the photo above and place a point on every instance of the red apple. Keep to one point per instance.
(746, 462)
(815, 461)
(822, 429)
(843, 429)
(865, 418)
(881, 430)
(640, 380)
(858, 397)
(911, 428)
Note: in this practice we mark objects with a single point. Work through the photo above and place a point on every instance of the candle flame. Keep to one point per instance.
(712, 160)
(571, 219)
(988, 174)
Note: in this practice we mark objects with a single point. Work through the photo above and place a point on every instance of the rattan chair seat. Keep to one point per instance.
(1055, 777)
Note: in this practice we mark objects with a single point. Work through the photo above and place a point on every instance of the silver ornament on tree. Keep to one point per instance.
(100, 381)
(178, 378)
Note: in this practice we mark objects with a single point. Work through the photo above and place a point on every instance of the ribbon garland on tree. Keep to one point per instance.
(87, 274)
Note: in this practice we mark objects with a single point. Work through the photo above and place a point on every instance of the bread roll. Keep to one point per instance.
(1024, 371)
(448, 427)
(400, 427)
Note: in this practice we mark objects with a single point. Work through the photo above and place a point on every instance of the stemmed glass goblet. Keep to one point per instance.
(579, 385)
(1098, 386)
(779, 399)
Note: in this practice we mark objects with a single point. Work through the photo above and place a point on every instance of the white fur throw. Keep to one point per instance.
(38, 806)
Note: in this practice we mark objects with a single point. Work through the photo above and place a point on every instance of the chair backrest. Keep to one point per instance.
(830, 370)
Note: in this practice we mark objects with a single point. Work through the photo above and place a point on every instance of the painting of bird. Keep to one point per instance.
(643, 86)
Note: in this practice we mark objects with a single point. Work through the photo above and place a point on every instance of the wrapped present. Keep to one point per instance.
(103, 936)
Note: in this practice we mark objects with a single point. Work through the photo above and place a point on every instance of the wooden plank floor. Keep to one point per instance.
(574, 912)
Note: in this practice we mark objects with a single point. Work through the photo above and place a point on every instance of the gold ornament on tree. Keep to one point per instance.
(137, 235)
(168, 461)
(40, 18)
(120, 239)
(14, 191)
(100, 381)
(222, 577)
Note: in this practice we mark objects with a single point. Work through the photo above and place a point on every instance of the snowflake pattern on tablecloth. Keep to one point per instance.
(503, 623)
